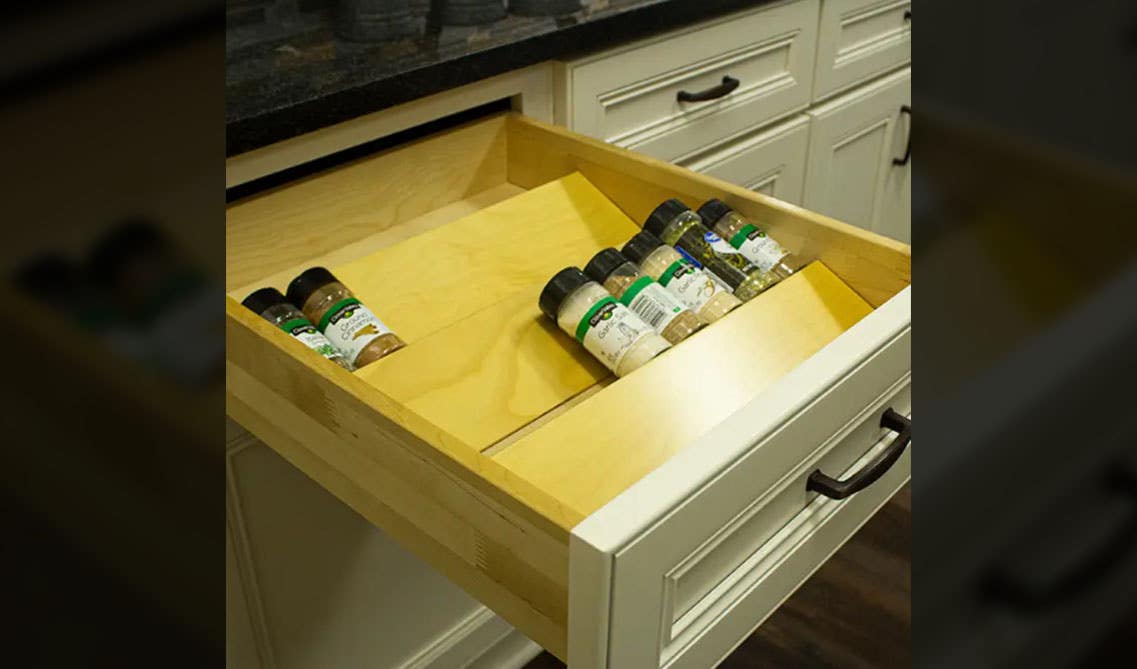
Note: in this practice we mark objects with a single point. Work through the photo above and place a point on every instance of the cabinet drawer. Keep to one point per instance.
(508, 459)
(771, 162)
(630, 97)
(858, 40)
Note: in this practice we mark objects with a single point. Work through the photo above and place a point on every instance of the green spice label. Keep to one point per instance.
(350, 326)
(692, 286)
(307, 333)
(652, 303)
(608, 331)
(758, 248)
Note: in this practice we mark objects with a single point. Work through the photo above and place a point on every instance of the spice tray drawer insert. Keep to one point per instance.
(498, 450)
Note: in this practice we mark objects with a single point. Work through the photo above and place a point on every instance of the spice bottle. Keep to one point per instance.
(691, 284)
(643, 295)
(676, 224)
(750, 241)
(607, 329)
(271, 306)
(350, 326)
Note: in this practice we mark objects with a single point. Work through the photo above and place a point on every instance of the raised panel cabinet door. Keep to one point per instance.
(896, 220)
(771, 162)
(850, 173)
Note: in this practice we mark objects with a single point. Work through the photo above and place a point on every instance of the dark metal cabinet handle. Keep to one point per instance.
(905, 109)
(722, 90)
(908, 15)
(835, 489)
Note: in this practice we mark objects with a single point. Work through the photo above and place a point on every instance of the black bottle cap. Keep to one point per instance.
(712, 210)
(559, 288)
(664, 214)
(308, 282)
(603, 264)
(640, 246)
(262, 299)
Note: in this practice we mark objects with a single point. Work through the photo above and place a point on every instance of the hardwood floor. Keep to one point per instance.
(854, 612)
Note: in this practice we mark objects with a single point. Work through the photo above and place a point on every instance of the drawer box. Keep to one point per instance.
(629, 97)
(858, 40)
(500, 453)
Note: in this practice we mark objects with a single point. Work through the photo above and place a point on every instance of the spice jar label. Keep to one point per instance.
(307, 333)
(693, 286)
(719, 244)
(608, 330)
(350, 326)
(758, 248)
(651, 302)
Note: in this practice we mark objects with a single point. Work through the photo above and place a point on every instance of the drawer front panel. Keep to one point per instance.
(630, 98)
(689, 580)
(771, 162)
(858, 40)
(690, 588)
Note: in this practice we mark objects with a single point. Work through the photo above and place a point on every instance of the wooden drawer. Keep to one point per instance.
(500, 453)
(630, 96)
(771, 162)
(858, 40)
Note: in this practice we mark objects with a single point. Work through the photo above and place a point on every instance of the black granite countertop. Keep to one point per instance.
(288, 72)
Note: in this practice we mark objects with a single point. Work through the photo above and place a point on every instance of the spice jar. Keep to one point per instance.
(350, 326)
(751, 242)
(676, 224)
(691, 284)
(643, 295)
(271, 306)
(607, 329)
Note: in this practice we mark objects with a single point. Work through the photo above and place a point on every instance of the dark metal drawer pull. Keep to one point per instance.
(905, 109)
(722, 90)
(867, 475)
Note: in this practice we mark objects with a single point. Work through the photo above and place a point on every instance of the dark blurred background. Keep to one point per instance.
(1024, 194)
(112, 495)
(1023, 203)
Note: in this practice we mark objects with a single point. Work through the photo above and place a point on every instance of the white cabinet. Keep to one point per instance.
(672, 96)
(771, 162)
(313, 584)
(859, 40)
(855, 140)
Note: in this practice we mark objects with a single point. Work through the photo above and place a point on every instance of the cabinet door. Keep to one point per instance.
(896, 219)
(771, 162)
(853, 140)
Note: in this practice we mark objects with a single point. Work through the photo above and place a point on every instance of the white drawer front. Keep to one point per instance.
(630, 97)
(771, 162)
(680, 568)
(860, 39)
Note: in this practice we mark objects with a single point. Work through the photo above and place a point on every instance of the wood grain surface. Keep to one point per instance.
(593, 452)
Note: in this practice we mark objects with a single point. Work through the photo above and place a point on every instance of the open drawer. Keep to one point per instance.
(649, 521)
